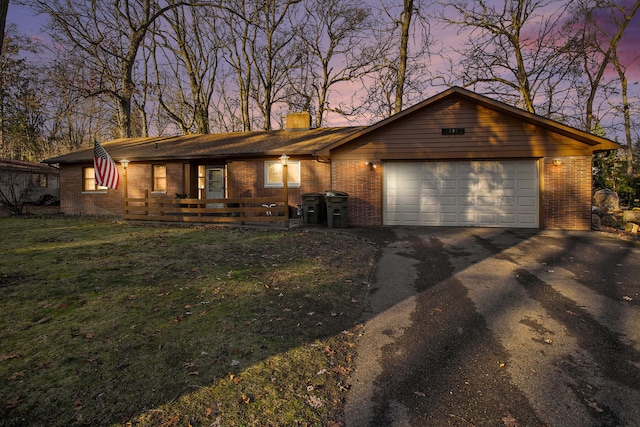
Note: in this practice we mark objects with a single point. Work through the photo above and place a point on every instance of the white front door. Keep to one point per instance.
(214, 187)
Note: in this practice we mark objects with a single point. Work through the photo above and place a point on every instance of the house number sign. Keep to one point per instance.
(453, 131)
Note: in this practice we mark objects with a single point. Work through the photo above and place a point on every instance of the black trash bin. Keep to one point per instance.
(313, 208)
(337, 204)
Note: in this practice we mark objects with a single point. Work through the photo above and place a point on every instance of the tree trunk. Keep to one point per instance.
(407, 14)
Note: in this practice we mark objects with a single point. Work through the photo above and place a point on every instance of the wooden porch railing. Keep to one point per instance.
(238, 210)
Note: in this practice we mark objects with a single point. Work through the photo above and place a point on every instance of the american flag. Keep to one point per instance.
(106, 170)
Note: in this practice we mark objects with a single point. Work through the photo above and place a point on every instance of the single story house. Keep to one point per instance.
(456, 159)
(28, 182)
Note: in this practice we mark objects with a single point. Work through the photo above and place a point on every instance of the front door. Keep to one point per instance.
(215, 185)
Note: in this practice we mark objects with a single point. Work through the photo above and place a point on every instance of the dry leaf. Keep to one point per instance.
(14, 403)
(510, 421)
(16, 375)
(315, 402)
(419, 394)
(4, 357)
(244, 399)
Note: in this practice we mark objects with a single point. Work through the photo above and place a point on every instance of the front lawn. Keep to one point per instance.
(109, 323)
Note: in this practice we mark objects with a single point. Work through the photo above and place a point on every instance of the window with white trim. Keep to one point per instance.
(89, 180)
(159, 178)
(273, 174)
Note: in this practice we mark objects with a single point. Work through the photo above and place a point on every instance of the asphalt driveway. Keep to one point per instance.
(495, 327)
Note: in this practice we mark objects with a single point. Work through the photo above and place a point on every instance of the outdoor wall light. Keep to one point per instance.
(556, 162)
(125, 163)
(284, 158)
(371, 165)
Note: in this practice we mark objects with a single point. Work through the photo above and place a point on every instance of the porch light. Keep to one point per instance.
(125, 163)
(556, 162)
(284, 159)
(371, 165)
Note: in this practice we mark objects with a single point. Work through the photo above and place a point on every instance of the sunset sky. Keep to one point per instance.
(446, 39)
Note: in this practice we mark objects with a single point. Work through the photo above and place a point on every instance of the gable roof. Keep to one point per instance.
(221, 145)
(596, 143)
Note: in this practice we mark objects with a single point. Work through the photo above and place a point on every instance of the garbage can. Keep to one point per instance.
(337, 203)
(313, 208)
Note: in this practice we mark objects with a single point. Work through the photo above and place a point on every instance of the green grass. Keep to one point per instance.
(108, 323)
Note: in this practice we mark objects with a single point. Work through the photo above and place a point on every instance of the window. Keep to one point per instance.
(201, 181)
(160, 178)
(89, 181)
(273, 174)
(39, 180)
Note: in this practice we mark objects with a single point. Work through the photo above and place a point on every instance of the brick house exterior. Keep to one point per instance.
(546, 165)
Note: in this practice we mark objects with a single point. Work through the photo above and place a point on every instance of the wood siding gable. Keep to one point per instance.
(491, 130)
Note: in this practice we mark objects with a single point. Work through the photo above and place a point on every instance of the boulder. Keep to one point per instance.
(607, 200)
(596, 222)
(609, 221)
(631, 216)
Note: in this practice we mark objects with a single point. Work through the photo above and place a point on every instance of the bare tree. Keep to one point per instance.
(401, 53)
(236, 34)
(511, 47)
(332, 42)
(273, 53)
(190, 57)
(626, 110)
(596, 45)
(4, 8)
(107, 37)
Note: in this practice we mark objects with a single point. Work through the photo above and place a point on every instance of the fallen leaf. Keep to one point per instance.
(627, 298)
(4, 357)
(244, 399)
(510, 421)
(14, 403)
(341, 370)
(595, 406)
(315, 402)
(419, 394)
(548, 341)
(17, 375)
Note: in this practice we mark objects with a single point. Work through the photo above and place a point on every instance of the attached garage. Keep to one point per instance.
(463, 159)
(462, 193)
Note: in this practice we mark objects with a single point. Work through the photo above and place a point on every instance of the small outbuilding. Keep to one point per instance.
(456, 159)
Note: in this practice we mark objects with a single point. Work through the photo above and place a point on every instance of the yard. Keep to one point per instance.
(110, 323)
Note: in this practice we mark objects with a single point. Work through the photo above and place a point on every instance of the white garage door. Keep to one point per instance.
(466, 193)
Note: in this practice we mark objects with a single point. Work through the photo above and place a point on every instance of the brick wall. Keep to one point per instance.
(364, 187)
(566, 193)
(245, 178)
(74, 201)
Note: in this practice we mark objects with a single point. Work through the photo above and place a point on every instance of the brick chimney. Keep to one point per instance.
(298, 121)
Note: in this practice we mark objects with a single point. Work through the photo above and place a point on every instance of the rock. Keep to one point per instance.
(632, 228)
(607, 200)
(595, 221)
(631, 216)
(609, 221)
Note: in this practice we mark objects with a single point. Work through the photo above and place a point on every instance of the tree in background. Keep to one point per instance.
(332, 46)
(185, 63)
(4, 8)
(401, 54)
(513, 50)
(106, 37)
